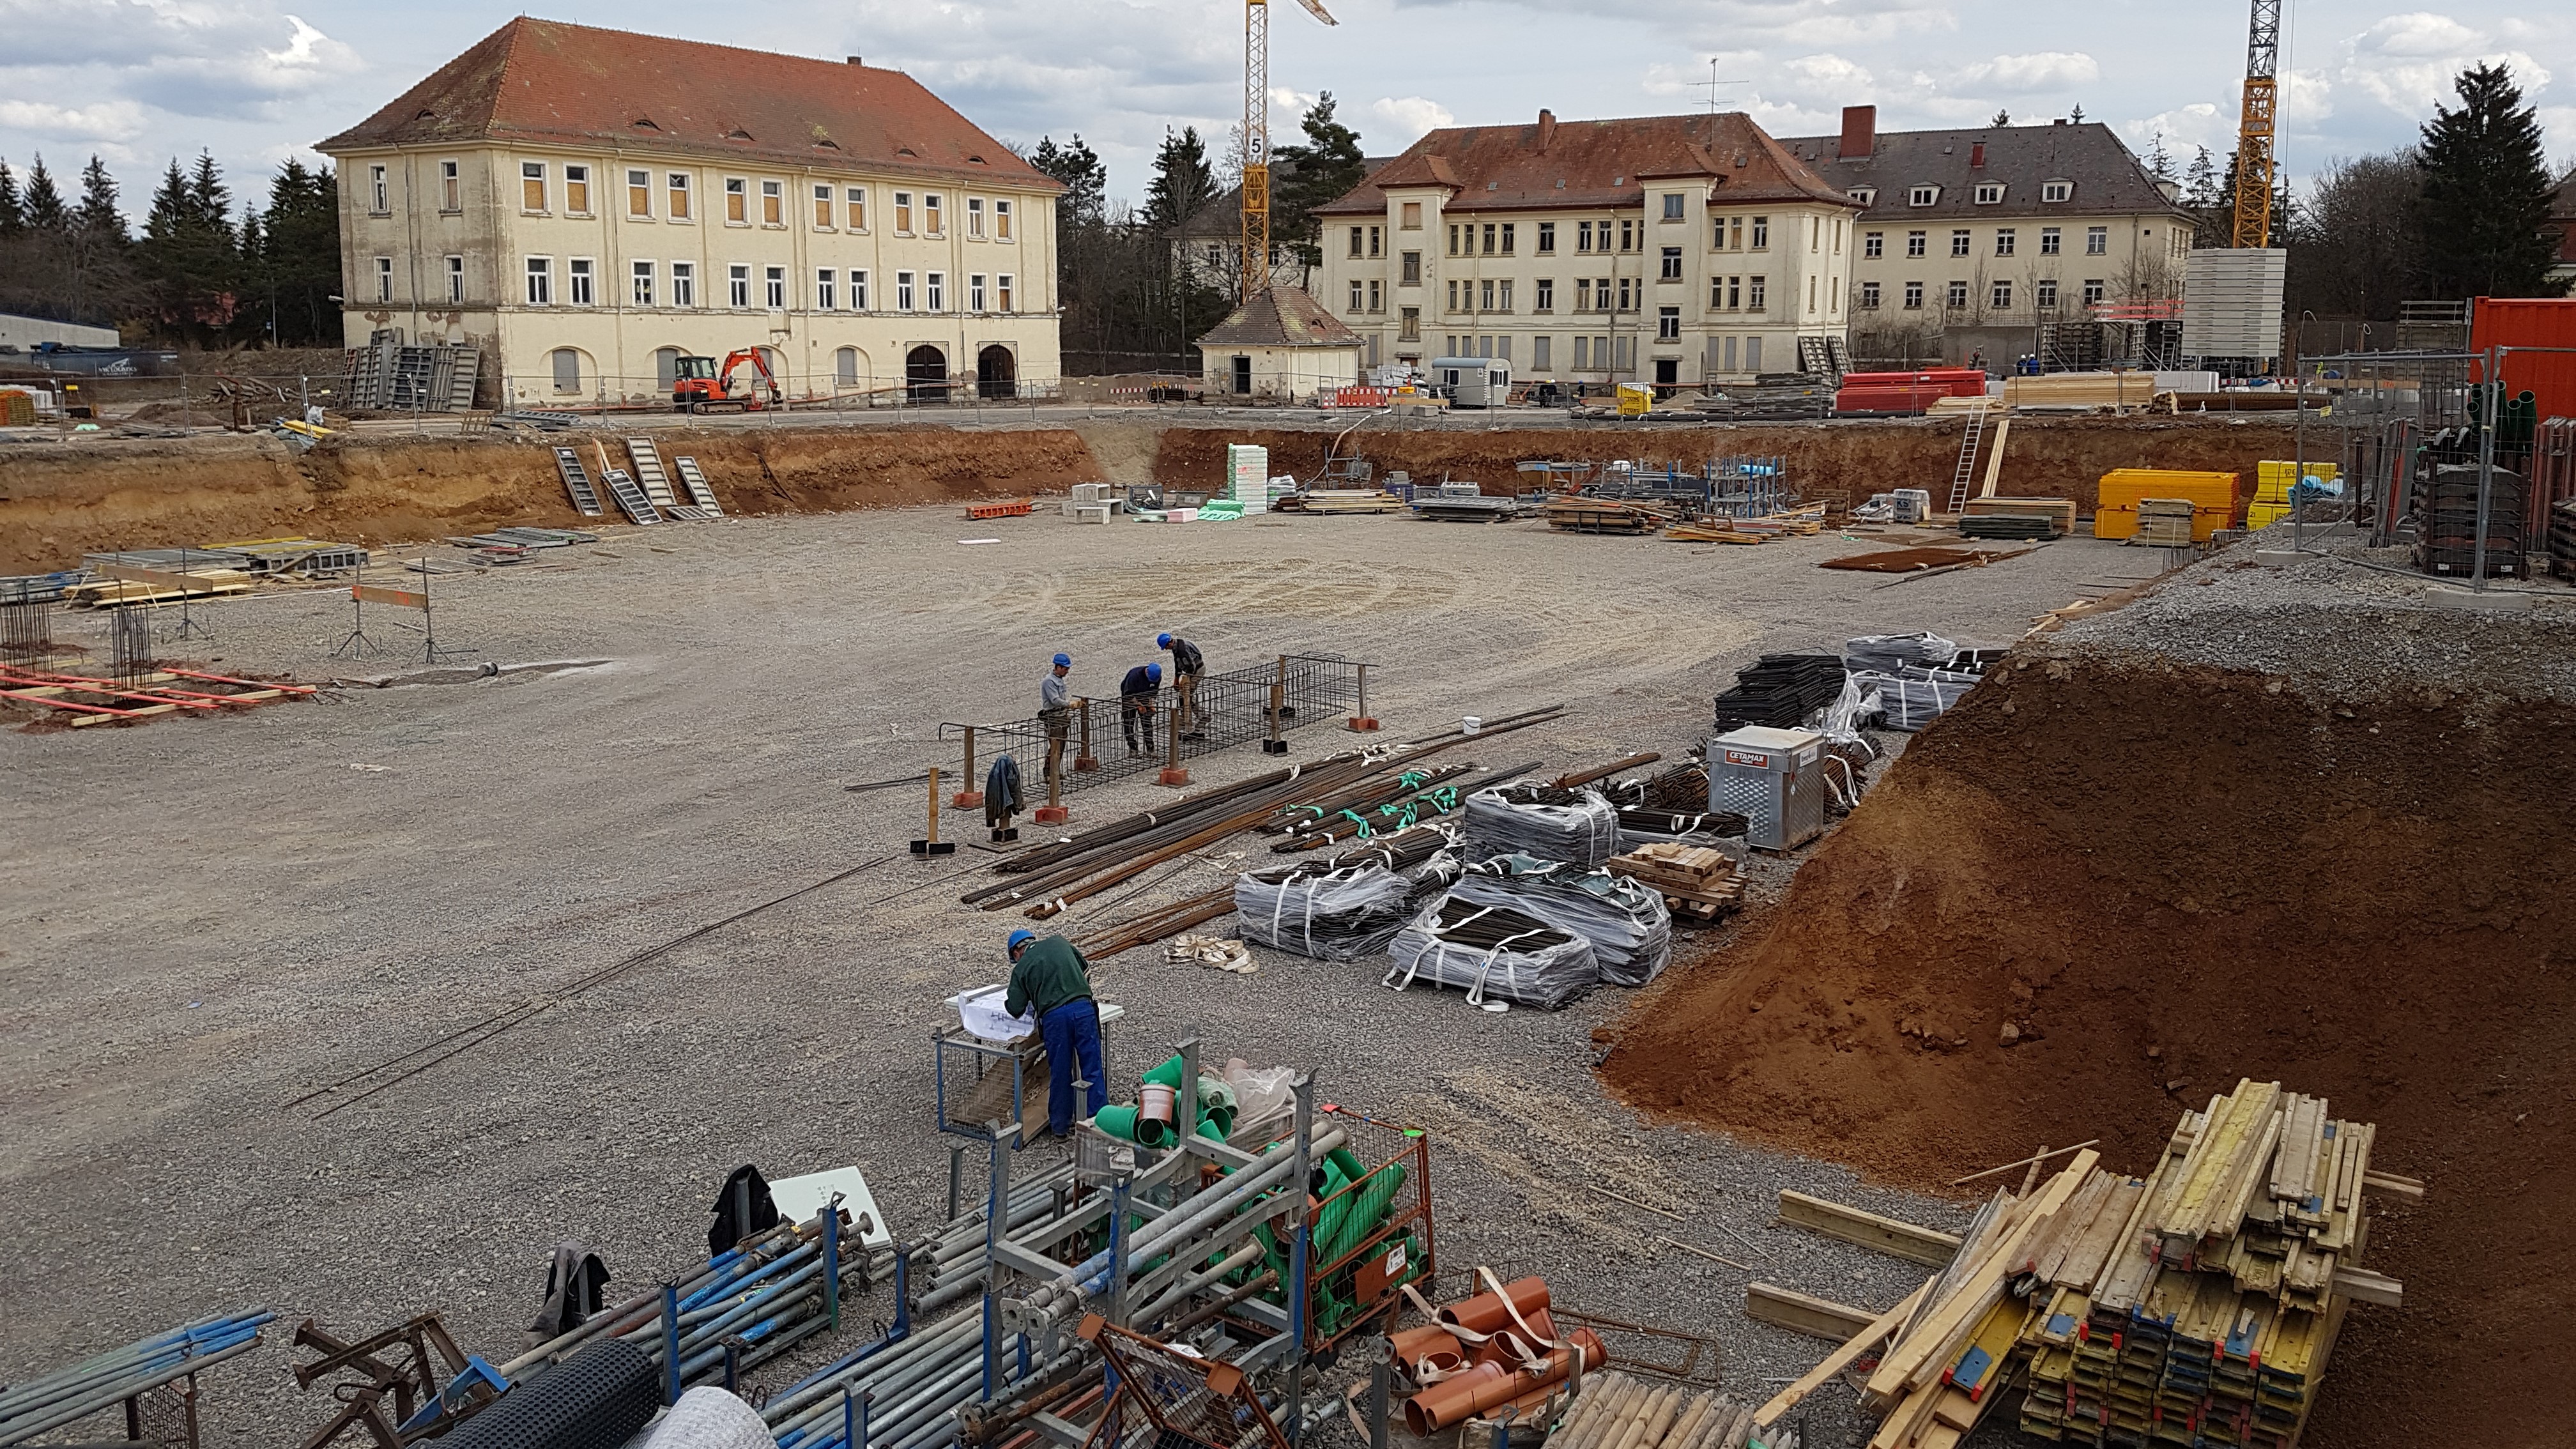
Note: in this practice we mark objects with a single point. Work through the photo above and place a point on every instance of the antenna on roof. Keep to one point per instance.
(1713, 83)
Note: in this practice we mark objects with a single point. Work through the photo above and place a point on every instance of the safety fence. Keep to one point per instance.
(1100, 740)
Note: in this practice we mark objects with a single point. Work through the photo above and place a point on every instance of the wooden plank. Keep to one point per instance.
(395, 598)
(2364, 1286)
(2392, 1185)
(1914, 1361)
(1892, 1236)
(1840, 1359)
(1804, 1313)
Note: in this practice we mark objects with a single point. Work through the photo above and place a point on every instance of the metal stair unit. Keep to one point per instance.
(700, 491)
(1967, 472)
(577, 482)
(648, 472)
(629, 497)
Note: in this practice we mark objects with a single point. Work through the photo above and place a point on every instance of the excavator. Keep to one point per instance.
(698, 385)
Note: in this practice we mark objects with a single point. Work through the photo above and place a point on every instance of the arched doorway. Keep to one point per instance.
(996, 372)
(666, 367)
(925, 374)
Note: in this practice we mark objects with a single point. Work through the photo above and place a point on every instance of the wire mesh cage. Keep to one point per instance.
(1102, 740)
(1372, 1227)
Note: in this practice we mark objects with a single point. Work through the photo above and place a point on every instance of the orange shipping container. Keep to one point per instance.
(2213, 498)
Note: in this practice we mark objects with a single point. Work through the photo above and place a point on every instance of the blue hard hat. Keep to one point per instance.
(1162, 641)
(1021, 938)
(1154, 672)
(1064, 661)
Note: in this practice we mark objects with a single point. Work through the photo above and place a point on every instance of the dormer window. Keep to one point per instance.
(1865, 195)
(1923, 196)
(1990, 193)
(2057, 191)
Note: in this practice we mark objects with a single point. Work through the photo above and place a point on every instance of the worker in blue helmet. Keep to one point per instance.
(1055, 710)
(1187, 665)
(1051, 981)
(1136, 705)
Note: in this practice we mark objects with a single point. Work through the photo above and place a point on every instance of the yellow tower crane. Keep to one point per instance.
(1256, 138)
(2254, 129)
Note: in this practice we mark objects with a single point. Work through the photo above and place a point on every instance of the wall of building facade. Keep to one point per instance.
(1711, 292)
(1978, 281)
(839, 275)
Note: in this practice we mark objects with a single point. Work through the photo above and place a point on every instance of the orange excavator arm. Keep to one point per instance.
(759, 364)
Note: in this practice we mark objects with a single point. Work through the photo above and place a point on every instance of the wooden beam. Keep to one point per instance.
(1840, 1359)
(1892, 1236)
(1803, 1313)
(2364, 1286)
(2390, 1184)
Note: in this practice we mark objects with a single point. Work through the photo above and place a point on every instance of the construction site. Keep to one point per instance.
(436, 894)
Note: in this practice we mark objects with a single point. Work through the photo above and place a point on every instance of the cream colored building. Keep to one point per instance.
(591, 205)
(1665, 249)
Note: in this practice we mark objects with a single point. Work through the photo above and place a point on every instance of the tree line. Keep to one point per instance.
(201, 273)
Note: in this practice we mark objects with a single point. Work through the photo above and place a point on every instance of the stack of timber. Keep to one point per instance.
(1614, 1409)
(2021, 527)
(1462, 503)
(1771, 397)
(1582, 513)
(2060, 512)
(1343, 500)
(1697, 882)
(1721, 530)
(2080, 391)
(2196, 1304)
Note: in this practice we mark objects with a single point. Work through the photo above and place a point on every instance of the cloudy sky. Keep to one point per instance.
(141, 81)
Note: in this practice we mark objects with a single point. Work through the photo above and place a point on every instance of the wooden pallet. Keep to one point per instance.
(1694, 880)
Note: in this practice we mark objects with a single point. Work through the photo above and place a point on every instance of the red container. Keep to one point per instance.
(2550, 377)
(1898, 394)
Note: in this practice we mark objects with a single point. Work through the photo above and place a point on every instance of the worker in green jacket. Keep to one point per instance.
(1050, 980)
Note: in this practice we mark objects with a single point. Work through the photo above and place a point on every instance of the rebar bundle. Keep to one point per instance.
(1542, 821)
(1335, 914)
(1630, 930)
(1492, 952)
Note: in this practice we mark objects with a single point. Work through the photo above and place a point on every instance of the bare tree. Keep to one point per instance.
(2355, 250)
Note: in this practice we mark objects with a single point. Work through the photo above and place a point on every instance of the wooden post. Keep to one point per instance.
(1053, 811)
(1278, 690)
(969, 798)
(1086, 761)
(1173, 774)
(1363, 720)
(931, 843)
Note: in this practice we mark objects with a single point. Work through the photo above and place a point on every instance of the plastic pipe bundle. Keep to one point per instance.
(1493, 953)
(1630, 930)
(1543, 821)
(1333, 915)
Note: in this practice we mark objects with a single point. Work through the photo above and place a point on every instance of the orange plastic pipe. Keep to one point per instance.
(1487, 1385)
(1484, 1313)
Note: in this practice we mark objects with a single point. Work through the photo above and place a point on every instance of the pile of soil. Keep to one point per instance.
(2099, 892)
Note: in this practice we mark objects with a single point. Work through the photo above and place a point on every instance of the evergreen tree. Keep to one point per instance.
(99, 269)
(1326, 168)
(2002, 118)
(2200, 181)
(1184, 184)
(13, 207)
(98, 213)
(2159, 161)
(1086, 180)
(191, 257)
(2485, 211)
(45, 210)
(299, 255)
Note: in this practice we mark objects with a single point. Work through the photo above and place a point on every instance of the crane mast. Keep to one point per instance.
(2254, 128)
(1256, 147)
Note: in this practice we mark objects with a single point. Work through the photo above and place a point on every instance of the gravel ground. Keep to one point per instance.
(209, 917)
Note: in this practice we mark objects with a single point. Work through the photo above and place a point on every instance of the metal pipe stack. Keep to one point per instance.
(67, 1395)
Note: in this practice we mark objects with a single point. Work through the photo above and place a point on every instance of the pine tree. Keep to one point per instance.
(45, 210)
(299, 255)
(1184, 184)
(1327, 167)
(98, 213)
(98, 251)
(2160, 161)
(2200, 181)
(2485, 210)
(190, 256)
(1086, 180)
(13, 207)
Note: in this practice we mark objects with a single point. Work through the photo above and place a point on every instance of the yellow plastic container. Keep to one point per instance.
(2273, 478)
(2115, 510)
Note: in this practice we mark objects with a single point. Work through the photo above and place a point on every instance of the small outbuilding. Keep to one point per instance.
(1281, 345)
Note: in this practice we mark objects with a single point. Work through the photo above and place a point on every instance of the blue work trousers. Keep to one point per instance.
(1070, 1030)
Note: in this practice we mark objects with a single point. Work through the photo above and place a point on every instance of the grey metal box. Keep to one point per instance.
(1774, 779)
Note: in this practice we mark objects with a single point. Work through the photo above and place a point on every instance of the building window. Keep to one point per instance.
(1507, 238)
(1630, 289)
(1377, 241)
(738, 287)
(1412, 221)
(934, 291)
(379, 200)
(822, 208)
(1545, 299)
(774, 285)
(1540, 350)
(859, 290)
(1865, 195)
(1811, 292)
(567, 368)
(1630, 234)
(1409, 319)
(1453, 297)
(1672, 206)
(1377, 295)
(1990, 193)
(1755, 292)
(930, 217)
(1359, 295)
(384, 279)
(826, 289)
(903, 213)
(1958, 295)
(451, 187)
(577, 282)
(1873, 244)
(1547, 238)
(737, 201)
(2092, 291)
(1922, 195)
(1410, 269)
(1672, 265)
(576, 191)
(1916, 242)
(845, 367)
(642, 288)
(1359, 238)
(902, 280)
(1582, 354)
(1814, 228)
(1583, 294)
(677, 184)
(1959, 242)
(532, 186)
(2048, 241)
(456, 279)
(1002, 223)
(2001, 296)
(1869, 296)
(1668, 324)
(1507, 294)
(854, 207)
(2003, 241)
(541, 281)
(1761, 233)
(684, 284)
(773, 203)
(1914, 296)
(975, 219)
(1752, 354)
(2057, 191)
(639, 193)
(1583, 236)
(975, 291)
(2044, 294)
(2097, 241)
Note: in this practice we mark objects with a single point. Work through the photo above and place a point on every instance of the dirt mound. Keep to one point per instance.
(2165, 879)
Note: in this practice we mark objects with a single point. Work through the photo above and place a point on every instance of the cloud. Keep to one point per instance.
(2407, 62)
(2183, 128)
(2046, 70)
(191, 58)
(1409, 119)
(105, 122)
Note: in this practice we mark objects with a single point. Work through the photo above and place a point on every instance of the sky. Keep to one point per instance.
(139, 82)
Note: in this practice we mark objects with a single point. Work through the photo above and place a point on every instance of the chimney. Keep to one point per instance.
(854, 60)
(1977, 156)
(1546, 127)
(1860, 132)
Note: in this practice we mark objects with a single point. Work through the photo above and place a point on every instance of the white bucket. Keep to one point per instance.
(1472, 724)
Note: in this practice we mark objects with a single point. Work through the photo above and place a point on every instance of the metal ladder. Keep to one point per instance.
(577, 482)
(1967, 473)
(648, 472)
(629, 497)
(700, 491)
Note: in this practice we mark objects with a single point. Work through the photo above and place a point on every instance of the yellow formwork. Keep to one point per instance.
(2115, 510)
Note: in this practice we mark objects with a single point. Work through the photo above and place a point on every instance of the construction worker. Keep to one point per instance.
(1136, 705)
(1187, 665)
(1055, 709)
(1051, 981)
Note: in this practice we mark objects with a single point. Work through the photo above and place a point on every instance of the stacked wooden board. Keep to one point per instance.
(1614, 1410)
(1695, 879)
(2194, 1305)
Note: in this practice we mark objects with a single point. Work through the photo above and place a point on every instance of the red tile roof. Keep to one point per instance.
(1591, 164)
(543, 82)
(1280, 317)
